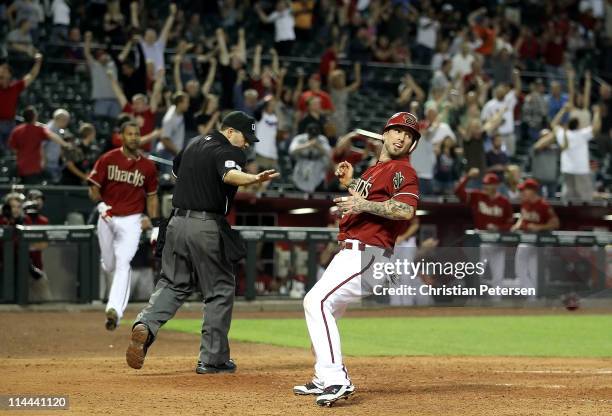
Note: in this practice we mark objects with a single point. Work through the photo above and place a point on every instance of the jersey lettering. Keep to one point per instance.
(363, 187)
(134, 178)
(531, 216)
(492, 211)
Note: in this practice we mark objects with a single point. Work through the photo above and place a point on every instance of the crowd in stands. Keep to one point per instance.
(517, 90)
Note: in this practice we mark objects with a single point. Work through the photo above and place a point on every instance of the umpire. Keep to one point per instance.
(200, 247)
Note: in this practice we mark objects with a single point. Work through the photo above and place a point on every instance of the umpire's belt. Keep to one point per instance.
(358, 245)
(233, 246)
(200, 215)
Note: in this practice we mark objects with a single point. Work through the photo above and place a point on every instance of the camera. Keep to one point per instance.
(31, 208)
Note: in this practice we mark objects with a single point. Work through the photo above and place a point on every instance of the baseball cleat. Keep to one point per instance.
(226, 367)
(137, 350)
(307, 389)
(112, 319)
(332, 394)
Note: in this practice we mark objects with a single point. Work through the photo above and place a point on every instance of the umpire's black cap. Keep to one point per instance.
(242, 122)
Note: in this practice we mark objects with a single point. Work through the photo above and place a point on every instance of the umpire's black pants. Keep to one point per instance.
(193, 251)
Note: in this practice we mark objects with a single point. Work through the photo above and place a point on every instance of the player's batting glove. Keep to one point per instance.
(104, 211)
(154, 235)
(154, 231)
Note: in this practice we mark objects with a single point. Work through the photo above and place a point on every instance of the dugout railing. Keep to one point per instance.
(311, 236)
(84, 260)
(563, 264)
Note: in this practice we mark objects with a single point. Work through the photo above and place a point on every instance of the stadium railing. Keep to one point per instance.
(566, 260)
(309, 235)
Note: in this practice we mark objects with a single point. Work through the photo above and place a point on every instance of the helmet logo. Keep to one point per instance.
(409, 119)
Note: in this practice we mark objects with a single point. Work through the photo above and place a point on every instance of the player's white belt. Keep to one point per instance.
(358, 245)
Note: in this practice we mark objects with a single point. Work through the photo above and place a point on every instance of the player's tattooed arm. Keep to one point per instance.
(391, 209)
(353, 184)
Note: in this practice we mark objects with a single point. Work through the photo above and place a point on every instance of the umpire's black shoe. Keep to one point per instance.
(137, 350)
(226, 367)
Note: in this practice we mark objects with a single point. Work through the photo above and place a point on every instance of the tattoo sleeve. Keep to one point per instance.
(391, 209)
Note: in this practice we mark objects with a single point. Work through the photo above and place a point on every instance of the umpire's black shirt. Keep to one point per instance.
(200, 169)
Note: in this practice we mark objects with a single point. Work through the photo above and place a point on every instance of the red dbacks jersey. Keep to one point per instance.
(538, 212)
(487, 211)
(123, 181)
(392, 179)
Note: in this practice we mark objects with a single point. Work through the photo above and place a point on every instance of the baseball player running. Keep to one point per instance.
(121, 181)
(491, 212)
(379, 205)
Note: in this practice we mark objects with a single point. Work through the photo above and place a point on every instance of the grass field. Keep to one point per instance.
(542, 336)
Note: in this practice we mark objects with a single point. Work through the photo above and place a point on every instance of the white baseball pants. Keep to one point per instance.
(495, 256)
(119, 238)
(326, 302)
(526, 266)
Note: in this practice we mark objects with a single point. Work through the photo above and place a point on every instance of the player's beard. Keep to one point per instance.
(132, 146)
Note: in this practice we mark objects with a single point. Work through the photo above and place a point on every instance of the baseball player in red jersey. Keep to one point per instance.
(491, 212)
(122, 181)
(536, 215)
(382, 200)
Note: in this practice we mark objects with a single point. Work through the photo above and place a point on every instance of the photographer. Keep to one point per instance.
(39, 284)
(17, 212)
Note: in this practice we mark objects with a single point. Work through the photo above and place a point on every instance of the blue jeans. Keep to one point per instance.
(53, 173)
(548, 189)
(106, 107)
(532, 135)
(423, 54)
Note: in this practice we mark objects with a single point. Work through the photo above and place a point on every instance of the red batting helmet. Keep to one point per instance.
(490, 179)
(406, 121)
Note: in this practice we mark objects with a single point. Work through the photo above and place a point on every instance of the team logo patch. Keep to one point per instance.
(398, 178)
(230, 164)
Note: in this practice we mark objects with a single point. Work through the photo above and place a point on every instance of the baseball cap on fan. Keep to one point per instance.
(490, 179)
(529, 184)
(242, 122)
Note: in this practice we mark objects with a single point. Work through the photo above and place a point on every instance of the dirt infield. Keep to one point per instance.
(71, 354)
